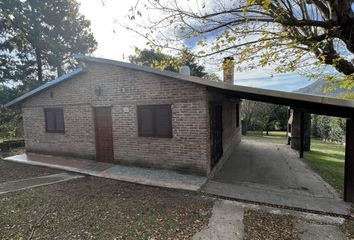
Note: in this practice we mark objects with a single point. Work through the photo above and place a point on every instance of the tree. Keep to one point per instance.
(37, 40)
(290, 34)
(153, 58)
(212, 77)
(261, 116)
(328, 128)
(41, 33)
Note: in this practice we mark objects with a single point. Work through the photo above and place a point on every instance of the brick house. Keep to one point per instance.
(118, 112)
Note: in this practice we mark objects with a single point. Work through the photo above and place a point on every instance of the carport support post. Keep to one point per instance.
(302, 134)
(349, 163)
(288, 126)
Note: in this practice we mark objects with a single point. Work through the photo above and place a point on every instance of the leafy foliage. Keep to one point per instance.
(157, 59)
(40, 37)
(37, 39)
(258, 116)
(290, 35)
(328, 128)
(212, 77)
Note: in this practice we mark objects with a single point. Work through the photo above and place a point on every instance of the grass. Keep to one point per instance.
(277, 137)
(328, 160)
(97, 208)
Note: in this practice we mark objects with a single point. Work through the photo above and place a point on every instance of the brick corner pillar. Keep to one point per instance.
(296, 130)
(349, 163)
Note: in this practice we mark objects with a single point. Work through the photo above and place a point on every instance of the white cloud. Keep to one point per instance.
(105, 19)
(116, 42)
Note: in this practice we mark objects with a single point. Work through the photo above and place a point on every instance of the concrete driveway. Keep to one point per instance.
(274, 174)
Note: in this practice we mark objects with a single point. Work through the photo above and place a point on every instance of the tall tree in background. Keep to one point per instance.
(153, 58)
(261, 116)
(37, 40)
(289, 34)
(39, 37)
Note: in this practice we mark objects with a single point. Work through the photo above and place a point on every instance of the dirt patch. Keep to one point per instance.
(95, 208)
(12, 151)
(260, 225)
(348, 229)
(15, 171)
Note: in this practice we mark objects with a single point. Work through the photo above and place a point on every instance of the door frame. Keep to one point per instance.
(111, 160)
(215, 125)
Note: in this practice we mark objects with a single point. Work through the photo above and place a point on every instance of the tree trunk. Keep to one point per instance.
(39, 65)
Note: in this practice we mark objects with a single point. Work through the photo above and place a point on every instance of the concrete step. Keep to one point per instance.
(282, 198)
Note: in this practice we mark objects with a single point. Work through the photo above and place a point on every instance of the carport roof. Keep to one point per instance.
(311, 103)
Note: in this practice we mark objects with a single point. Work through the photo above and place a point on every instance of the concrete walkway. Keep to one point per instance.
(152, 177)
(226, 223)
(274, 174)
(13, 186)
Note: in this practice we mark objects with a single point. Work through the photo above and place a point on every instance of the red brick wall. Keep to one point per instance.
(78, 139)
(124, 89)
(231, 133)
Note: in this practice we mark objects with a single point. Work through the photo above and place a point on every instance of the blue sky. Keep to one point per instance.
(284, 82)
(116, 42)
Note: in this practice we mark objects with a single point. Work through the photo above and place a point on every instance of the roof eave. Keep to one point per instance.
(222, 85)
(44, 87)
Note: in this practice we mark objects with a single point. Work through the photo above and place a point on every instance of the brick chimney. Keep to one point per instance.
(228, 70)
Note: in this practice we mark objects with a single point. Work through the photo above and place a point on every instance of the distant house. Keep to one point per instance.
(118, 112)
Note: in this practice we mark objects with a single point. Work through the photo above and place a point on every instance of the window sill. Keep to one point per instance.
(55, 132)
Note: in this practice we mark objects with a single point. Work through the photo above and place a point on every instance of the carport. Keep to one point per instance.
(273, 174)
(305, 104)
(302, 103)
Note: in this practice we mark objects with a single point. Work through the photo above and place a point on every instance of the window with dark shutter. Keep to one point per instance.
(146, 126)
(155, 121)
(54, 120)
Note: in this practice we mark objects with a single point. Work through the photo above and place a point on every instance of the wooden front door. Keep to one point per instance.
(103, 133)
(215, 132)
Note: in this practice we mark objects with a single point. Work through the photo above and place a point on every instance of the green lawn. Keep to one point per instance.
(328, 160)
(325, 158)
(278, 137)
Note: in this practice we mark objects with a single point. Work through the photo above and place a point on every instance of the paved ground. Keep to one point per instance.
(152, 177)
(227, 222)
(273, 173)
(13, 186)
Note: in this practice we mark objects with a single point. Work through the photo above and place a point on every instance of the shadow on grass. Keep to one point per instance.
(330, 156)
(331, 169)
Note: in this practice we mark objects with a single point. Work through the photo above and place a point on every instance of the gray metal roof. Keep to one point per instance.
(258, 94)
(45, 86)
(224, 86)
